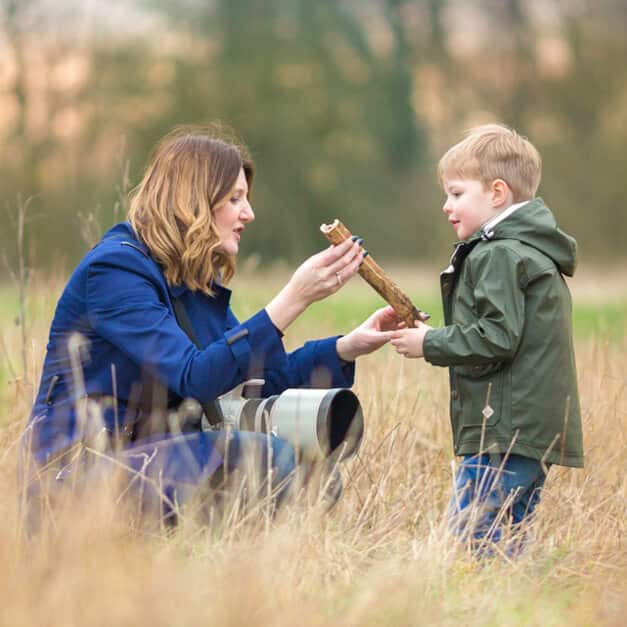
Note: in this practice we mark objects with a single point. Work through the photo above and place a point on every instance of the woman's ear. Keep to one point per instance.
(501, 193)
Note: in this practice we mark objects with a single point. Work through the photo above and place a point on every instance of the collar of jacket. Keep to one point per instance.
(487, 230)
(125, 233)
(220, 291)
(461, 249)
(485, 233)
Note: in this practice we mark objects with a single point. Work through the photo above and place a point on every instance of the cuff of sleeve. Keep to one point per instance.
(256, 345)
(431, 348)
(325, 357)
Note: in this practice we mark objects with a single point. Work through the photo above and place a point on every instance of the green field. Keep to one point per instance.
(593, 319)
(382, 557)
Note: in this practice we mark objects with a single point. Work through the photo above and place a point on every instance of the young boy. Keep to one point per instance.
(508, 338)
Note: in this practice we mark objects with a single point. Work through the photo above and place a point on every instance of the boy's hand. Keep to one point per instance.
(408, 342)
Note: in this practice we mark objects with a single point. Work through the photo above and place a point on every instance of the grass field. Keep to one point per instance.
(383, 555)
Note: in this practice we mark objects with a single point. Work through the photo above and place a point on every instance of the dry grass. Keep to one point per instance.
(381, 557)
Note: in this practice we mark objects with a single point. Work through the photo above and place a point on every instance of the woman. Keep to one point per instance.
(144, 323)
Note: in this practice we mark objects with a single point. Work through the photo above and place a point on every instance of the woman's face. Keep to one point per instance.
(232, 216)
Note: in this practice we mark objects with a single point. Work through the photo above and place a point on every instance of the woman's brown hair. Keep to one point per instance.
(172, 210)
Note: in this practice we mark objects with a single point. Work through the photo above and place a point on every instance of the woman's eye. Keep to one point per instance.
(235, 199)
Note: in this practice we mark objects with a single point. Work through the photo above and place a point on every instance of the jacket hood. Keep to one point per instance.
(532, 223)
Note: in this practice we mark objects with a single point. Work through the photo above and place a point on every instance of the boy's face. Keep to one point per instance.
(468, 205)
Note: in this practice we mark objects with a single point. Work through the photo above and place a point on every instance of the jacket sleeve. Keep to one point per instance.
(125, 307)
(314, 365)
(499, 305)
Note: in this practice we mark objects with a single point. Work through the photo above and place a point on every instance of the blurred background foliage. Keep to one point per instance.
(346, 106)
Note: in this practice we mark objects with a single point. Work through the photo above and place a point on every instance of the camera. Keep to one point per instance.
(318, 423)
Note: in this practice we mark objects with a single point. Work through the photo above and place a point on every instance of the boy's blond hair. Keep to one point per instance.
(491, 152)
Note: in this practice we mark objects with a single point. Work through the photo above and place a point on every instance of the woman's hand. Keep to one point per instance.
(370, 335)
(326, 272)
(316, 278)
(409, 342)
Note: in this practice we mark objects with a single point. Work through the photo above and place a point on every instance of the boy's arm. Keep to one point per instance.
(499, 302)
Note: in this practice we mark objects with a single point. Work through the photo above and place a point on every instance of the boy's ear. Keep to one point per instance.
(501, 192)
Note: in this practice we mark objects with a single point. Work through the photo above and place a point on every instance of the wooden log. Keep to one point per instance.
(372, 272)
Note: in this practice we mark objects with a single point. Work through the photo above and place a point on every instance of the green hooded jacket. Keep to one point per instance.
(508, 339)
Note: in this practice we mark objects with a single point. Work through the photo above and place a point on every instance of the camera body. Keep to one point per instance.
(318, 423)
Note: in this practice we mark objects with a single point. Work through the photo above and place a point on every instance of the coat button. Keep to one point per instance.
(454, 395)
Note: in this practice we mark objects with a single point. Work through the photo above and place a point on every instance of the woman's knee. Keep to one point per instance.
(283, 457)
(267, 450)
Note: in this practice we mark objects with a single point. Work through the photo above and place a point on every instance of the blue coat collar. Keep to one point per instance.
(221, 293)
(124, 231)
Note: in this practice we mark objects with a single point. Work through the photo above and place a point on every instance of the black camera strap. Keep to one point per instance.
(211, 409)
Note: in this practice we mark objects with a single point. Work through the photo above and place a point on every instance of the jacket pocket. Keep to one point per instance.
(479, 394)
(479, 371)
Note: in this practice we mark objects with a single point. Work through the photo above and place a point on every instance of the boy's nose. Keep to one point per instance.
(445, 207)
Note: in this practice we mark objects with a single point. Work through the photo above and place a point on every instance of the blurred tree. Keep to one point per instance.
(561, 80)
(321, 110)
(345, 105)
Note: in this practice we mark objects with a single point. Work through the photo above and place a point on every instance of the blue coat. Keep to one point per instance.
(118, 300)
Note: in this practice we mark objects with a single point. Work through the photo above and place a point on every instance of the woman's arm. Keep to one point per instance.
(316, 278)
(314, 365)
(125, 307)
(330, 362)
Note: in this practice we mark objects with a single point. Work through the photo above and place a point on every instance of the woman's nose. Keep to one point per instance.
(248, 215)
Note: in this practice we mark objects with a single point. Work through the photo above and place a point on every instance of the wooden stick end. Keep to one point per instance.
(327, 228)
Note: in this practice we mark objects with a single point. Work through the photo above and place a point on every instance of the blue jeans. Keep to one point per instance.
(492, 493)
(181, 464)
(163, 472)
